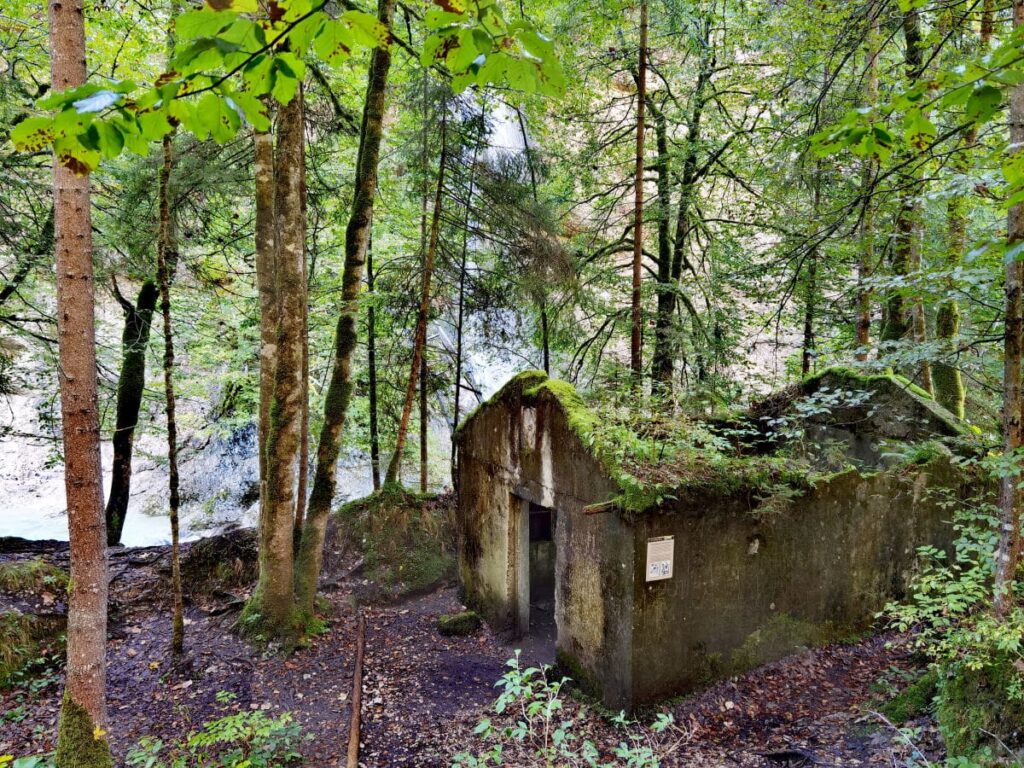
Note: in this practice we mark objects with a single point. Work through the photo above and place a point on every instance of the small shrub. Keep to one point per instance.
(251, 739)
(541, 733)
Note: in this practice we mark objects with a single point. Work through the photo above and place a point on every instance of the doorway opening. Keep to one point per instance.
(538, 551)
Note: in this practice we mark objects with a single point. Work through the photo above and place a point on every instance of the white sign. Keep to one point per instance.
(659, 557)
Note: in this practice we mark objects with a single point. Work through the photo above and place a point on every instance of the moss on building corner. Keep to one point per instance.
(80, 742)
(567, 665)
(780, 636)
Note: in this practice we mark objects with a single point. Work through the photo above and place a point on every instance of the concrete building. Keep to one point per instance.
(654, 576)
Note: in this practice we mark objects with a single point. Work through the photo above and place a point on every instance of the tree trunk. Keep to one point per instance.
(949, 385)
(899, 325)
(371, 361)
(271, 609)
(302, 485)
(1009, 547)
(85, 707)
(424, 419)
(167, 261)
(811, 285)
(339, 390)
(131, 384)
(866, 259)
(636, 316)
(266, 271)
(662, 361)
(420, 340)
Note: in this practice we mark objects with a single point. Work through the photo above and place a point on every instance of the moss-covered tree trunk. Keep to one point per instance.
(270, 611)
(1009, 548)
(81, 742)
(339, 389)
(948, 381)
(131, 383)
(167, 262)
(422, 316)
(266, 285)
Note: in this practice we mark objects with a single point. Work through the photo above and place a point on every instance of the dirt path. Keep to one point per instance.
(424, 693)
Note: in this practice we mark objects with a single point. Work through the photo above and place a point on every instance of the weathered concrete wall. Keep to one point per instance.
(520, 447)
(747, 590)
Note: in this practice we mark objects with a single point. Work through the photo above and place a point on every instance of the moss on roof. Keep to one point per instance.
(682, 462)
(811, 383)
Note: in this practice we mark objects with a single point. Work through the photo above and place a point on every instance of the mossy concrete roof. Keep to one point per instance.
(657, 472)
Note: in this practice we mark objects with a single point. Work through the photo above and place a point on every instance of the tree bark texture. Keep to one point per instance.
(84, 708)
(131, 383)
(339, 389)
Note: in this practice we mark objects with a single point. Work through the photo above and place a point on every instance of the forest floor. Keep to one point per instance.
(423, 693)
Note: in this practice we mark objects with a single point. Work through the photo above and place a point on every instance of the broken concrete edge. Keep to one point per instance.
(759, 480)
(811, 383)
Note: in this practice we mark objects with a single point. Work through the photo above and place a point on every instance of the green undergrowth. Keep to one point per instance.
(915, 699)
(35, 576)
(406, 539)
(980, 710)
(26, 644)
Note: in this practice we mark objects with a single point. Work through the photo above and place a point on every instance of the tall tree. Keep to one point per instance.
(81, 739)
(339, 389)
(1008, 552)
(271, 609)
(423, 315)
(866, 255)
(167, 261)
(636, 313)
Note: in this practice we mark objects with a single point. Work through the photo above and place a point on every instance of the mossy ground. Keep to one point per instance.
(980, 711)
(35, 576)
(458, 624)
(913, 701)
(406, 539)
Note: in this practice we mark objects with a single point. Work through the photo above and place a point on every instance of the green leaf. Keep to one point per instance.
(983, 103)
(333, 43)
(367, 31)
(33, 134)
(254, 110)
(241, 6)
(192, 25)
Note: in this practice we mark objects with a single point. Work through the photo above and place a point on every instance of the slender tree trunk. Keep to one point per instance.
(131, 384)
(420, 340)
(339, 390)
(662, 361)
(271, 609)
(371, 355)
(424, 414)
(302, 488)
(1009, 547)
(636, 336)
(460, 319)
(85, 706)
(866, 260)
(167, 261)
(811, 286)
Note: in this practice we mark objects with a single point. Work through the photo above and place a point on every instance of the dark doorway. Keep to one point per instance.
(542, 630)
